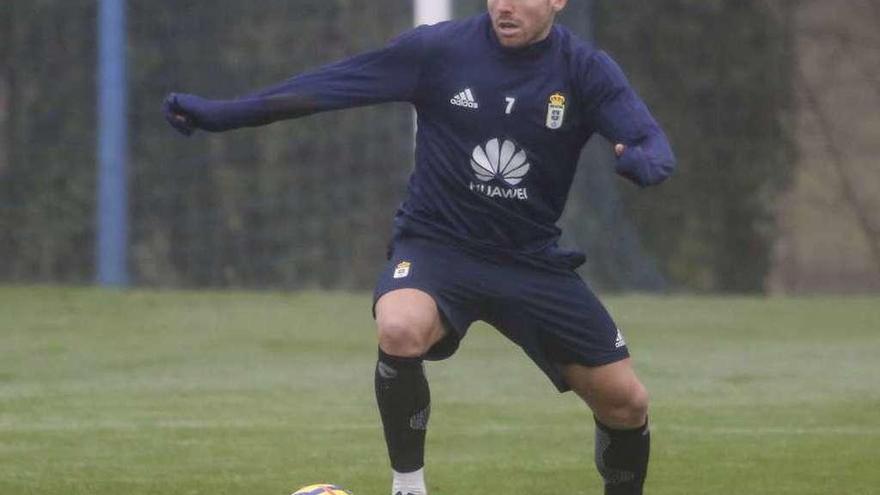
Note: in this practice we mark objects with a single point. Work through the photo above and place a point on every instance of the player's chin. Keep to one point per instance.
(512, 40)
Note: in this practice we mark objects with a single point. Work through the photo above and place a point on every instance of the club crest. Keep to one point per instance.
(556, 111)
(402, 269)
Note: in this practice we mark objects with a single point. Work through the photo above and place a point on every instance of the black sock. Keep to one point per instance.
(404, 405)
(622, 458)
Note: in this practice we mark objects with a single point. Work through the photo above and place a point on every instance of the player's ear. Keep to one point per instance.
(558, 5)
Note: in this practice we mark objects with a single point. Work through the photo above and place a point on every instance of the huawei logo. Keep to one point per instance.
(501, 161)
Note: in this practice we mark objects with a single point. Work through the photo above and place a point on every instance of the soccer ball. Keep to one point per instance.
(321, 489)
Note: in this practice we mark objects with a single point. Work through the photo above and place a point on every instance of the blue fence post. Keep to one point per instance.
(111, 256)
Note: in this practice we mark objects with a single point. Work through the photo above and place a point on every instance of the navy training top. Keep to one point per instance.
(500, 130)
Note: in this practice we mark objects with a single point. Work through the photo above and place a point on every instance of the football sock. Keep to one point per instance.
(622, 458)
(409, 483)
(404, 405)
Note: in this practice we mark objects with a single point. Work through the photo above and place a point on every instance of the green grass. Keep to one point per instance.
(258, 393)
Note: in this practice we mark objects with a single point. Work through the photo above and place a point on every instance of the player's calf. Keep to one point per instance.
(620, 405)
(404, 401)
(621, 458)
(408, 325)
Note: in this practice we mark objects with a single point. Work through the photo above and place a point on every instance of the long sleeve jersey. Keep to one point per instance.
(500, 130)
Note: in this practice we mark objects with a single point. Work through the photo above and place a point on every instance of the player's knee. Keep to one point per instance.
(637, 409)
(630, 410)
(403, 337)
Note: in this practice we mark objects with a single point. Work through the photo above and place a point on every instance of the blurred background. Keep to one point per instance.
(773, 108)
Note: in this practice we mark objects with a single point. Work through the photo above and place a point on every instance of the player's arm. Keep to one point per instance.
(388, 74)
(644, 155)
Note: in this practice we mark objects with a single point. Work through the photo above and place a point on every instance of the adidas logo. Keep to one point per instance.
(619, 342)
(465, 99)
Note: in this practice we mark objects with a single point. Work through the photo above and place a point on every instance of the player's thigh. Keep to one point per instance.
(408, 320)
(556, 319)
(613, 391)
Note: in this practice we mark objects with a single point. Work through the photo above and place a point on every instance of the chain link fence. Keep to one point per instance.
(308, 203)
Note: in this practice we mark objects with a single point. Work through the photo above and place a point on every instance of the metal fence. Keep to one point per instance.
(308, 203)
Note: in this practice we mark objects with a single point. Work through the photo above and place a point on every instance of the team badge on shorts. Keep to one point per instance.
(402, 269)
(556, 111)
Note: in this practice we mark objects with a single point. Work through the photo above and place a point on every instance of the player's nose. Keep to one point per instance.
(504, 7)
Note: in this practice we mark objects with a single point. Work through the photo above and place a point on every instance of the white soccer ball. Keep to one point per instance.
(322, 489)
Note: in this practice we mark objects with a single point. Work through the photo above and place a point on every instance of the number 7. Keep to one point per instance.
(510, 103)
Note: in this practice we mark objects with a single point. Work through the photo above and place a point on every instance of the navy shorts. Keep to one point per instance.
(552, 315)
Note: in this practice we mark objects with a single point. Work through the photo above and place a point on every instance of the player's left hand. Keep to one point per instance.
(177, 115)
(619, 149)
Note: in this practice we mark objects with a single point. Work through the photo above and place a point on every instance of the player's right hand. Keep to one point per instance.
(176, 113)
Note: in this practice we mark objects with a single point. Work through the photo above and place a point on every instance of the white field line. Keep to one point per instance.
(51, 426)
(60, 426)
(771, 430)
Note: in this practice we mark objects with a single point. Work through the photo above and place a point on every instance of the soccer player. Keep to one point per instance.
(505, 101)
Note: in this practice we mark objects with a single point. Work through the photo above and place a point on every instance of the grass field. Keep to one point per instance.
(258, 393)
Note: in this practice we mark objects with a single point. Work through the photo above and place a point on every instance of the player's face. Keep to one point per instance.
(520, 23)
